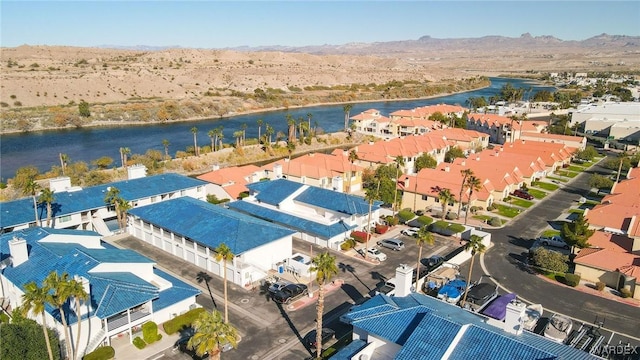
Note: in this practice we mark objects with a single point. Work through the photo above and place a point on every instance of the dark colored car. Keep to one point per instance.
(310, 338)
(277, 286)
(480, 295)
(522, 194)
(431, 263)
(290, 292)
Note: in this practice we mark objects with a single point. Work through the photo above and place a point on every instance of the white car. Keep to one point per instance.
(556, 241)
(412, 231)
(377, 254)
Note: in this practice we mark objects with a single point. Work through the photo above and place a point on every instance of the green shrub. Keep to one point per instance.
(495, 221)
(550, 260)
(492, 207)
(139, 343)
(625, 293)
(572, 279)
(391, 220)
(451, 216)
(4, 318)
(183, 321)
(425, 220)
(150, 332)
(405, 215)
(600, 285)
(101, 353)
(346, 245)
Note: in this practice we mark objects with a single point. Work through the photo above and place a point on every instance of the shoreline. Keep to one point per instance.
(99, 124)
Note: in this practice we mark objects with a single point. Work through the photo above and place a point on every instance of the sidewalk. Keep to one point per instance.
(308, 300)
(588, 288)
(126, 351)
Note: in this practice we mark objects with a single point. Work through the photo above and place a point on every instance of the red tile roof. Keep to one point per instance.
(610, 260)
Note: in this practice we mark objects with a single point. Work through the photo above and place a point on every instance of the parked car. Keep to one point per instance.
(310, 338)
(523, 194)
(393, 244)
(289, 293)
(412, 231)
(432, 263)
(377, 254)
(277, 286)
(556, 241)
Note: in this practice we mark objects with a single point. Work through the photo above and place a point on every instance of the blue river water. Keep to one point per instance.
(41, 149)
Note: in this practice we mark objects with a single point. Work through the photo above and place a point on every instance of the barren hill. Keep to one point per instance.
(45, 75)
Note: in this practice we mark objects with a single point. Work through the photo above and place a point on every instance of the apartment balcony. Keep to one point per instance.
(121, 320)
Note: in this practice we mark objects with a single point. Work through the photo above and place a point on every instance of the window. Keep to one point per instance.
(199, 189)
(183, 192)
(65, 218)
(437, 200)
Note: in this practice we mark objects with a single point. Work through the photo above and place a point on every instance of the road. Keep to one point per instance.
(504, 262)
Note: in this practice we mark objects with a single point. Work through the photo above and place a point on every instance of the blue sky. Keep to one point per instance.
(220, 24)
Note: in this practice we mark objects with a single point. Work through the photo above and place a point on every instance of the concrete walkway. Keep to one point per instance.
(126, 351)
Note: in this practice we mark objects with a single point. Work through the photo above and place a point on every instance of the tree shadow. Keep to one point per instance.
(521, 262)
(352, 292)
(204, 277)
(377, 276)
(348, 268)
(293, 328)
(521, 242)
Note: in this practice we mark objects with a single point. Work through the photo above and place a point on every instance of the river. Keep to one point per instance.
(41, 149)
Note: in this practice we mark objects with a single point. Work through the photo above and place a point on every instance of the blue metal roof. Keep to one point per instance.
(275, 191)
(211, 225)
(111, 292)
(20, 211)
(430, 325)
(347, 352)
(336, 201)
(290, 221)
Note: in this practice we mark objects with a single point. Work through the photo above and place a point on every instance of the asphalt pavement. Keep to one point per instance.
(505, 262)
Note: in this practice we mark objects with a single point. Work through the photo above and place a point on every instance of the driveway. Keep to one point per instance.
(504, 262)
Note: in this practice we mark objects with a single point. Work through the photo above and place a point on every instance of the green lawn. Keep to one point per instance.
(550, 233)
(520, 202)
(546, 186)
(575, 168)
(576, 211)
(508, 211)
(538, 194)
(557, 179)
(569, 174)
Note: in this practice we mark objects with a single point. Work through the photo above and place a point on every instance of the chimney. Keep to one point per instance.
(18, 251)
(337, 183)
(404, 275)
(277, 171)
(463, 163)
(477, 158)
(514, 317)
(215, 167)
(446, 169)
(136, 171)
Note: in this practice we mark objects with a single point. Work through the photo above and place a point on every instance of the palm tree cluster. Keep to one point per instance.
(56, 290)
(121, 205)
(211, 333)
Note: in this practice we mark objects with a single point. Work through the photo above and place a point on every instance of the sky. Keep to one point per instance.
(223, 24)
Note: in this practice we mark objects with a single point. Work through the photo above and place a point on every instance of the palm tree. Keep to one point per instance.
(34, 299)
(353, 156)
(445, 197)
(165, 144)
(212, 136)
(475, 245)
(291, 122)
(124, 152)
(399, 160)
(238, 135)
(424, 237)
(269, 132)
(47, 197)
(64, 160)
(113, 198)
(260, 122)
(309, 116)
(211, 333)
(370, 196)
(473, 184)
(31, 188)
(77, 291)
(194, 131)
(123, 207)
(224, 254)
(347, 108)
(59, 285)
(244, 132)
(465, 174)
(325, 267)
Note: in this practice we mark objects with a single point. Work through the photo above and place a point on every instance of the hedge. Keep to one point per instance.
(495, 221)
(600, 285)
(101, 353)
(625, 293)
(183, 321)
(139, 343)
(405, 215)
(359, 236)
(572, 279)
(446, 228)
(150, 332)
(425, 220)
